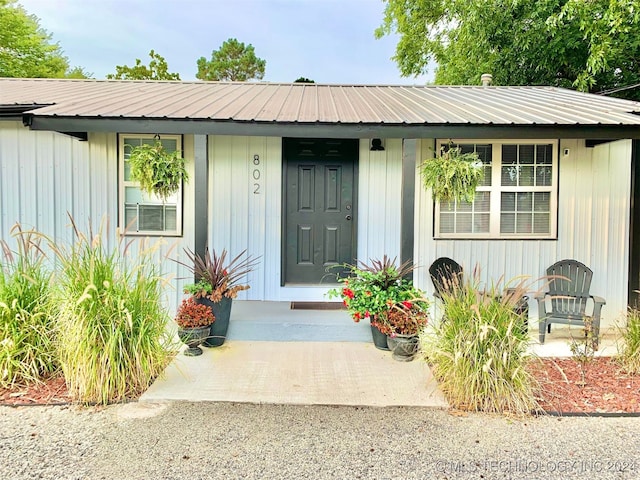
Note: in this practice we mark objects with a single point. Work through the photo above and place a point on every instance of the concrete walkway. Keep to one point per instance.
(313, 357)
(308, 373)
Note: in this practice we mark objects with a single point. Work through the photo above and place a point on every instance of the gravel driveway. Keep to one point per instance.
(232, 441)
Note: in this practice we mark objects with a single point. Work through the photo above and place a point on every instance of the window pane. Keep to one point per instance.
(481, 223)
(542, 202)
(508, 202)
(508, 223)
(525, 202)
(523, 223)
(463, 206)
(509, 154)
(541, 223)
(463, 223)
(447, 221)
(510, 175)
(482, 202)
(543, 154)
(526, 155)
(543, 176)
(526, 176)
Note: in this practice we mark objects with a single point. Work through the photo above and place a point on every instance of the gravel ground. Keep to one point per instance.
(243, 441)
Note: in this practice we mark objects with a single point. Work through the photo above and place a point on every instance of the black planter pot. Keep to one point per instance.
(379, 338)
(218, 330)
(403, 347)
(192, 338)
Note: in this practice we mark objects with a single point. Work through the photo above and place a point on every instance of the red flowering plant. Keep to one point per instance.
(373, 291)
(192, 314)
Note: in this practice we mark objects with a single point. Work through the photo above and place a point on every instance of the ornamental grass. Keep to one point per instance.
(112, 337)
(27, 352)
(478, 350)
(630, 348)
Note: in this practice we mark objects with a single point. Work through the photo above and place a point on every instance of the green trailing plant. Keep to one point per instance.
(217, 276)
(159, 171)
(27, 351)
(584, 349)
(478, 351)
(371, 289)
(452, 175)
(112, 340)
(630, 348)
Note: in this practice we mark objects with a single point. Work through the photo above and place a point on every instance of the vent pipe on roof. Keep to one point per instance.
(486, 79)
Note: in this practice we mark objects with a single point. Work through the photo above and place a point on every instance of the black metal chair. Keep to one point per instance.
(446, 276)
(566, 301)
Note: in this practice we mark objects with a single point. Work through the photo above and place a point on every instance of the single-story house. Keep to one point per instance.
(310, 175)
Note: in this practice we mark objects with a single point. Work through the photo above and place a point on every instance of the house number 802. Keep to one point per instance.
(255, 174)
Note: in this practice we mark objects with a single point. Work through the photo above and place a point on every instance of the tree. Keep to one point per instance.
(157, 70)
(26, 49)
(567, 43)
(234, 61)
(304, 80)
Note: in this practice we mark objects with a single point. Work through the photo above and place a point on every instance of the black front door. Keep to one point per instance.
(320, 210)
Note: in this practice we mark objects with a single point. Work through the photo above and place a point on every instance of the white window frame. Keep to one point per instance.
(496, 190)
(122, 184)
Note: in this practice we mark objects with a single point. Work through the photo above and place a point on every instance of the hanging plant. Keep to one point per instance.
(159, 171)
(452, 175)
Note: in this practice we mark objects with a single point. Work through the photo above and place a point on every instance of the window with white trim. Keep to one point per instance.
(141, 213)
(516, 198)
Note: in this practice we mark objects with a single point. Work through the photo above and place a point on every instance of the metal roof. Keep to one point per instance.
(299, 109)
(316, 103)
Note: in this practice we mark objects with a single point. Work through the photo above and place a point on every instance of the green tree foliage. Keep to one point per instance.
(233, 62)
(26, 49)
(304, 80)
(590, 45)
(157, 70)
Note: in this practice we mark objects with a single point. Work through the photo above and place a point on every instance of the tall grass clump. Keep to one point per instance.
(630, 348)
(112, 338)
(27, 352)
(478, 350)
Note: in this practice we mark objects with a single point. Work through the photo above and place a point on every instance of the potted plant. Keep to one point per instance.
(217, 284)
(194, 323)
(159, 171)
(403, 323)
(452, 175)
(371, 289)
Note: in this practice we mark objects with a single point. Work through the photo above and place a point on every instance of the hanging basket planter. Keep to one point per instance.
(160, 172)
(452, 175)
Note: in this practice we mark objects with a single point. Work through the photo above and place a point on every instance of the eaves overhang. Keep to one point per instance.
(327, 130)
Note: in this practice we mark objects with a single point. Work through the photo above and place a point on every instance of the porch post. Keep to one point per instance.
(408, 200)
(201, 189)
(634, 228)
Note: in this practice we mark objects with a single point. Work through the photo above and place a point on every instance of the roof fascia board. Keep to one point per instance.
(318, 130)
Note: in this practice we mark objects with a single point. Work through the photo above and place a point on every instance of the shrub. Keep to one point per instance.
(27, 353)
(478, 351)
(112, 328)
(630, 349)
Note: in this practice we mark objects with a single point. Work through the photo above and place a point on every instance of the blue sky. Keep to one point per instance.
(329, 41)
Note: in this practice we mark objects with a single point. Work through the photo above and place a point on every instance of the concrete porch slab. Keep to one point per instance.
(309, 373)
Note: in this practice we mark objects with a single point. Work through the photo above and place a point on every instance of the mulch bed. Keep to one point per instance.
(52, 391)
(608, 389)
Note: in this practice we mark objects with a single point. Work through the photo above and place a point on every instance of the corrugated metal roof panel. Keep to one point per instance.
(315, 103)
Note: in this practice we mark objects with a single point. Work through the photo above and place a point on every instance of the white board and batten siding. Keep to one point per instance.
(593, 228)
(44, 175)
(245, 205)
